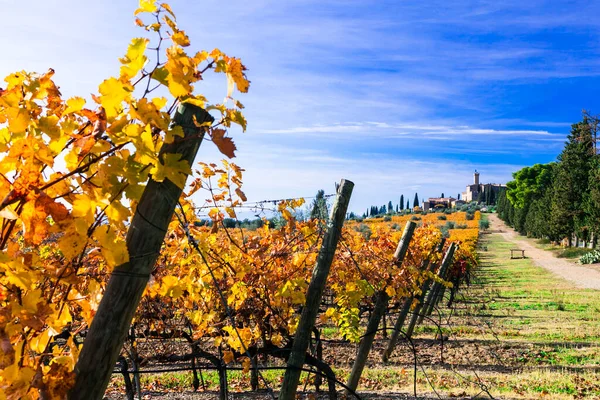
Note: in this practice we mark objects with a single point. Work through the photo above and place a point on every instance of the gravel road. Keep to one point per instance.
(579, 275)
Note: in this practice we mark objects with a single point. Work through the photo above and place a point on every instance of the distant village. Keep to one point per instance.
(477, 193)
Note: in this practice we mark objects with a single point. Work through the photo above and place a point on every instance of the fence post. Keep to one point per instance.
(379, 310)
(417, 316)
(315, 291)
(367, 340)
(424, 289)
(127, 282)
(437, 286)
(399, 255)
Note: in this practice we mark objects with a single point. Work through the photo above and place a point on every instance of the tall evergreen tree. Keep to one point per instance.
(319, 206)
(407, 205)
(442, 196)
(390, 207)
(572, 182)
(401, 202)
(416, 200)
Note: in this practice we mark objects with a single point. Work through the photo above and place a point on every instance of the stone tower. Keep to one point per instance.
(476, 177)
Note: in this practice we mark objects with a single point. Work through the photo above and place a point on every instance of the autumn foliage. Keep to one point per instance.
(71, 173)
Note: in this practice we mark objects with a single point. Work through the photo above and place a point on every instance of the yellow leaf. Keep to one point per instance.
(180, 38)
(62, 319)
(39, 342)
(170, 134)
(276, 339)
(72, 242)
(19, 122)
(390, 291)
(114, 93)
(21, 279)
(230, 211)
(173, 169)
(146, 6)
(236, 70)
(84, 207)
(170, 286)
(134, 59)
(181, 72)
(114, 249)
(74, 104)
(168, 9)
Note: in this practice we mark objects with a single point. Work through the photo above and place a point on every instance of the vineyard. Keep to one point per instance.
(107, 268)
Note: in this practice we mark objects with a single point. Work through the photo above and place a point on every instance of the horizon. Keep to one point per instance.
(398, 98)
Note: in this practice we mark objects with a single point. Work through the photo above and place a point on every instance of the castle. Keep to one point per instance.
(479, 191)
(485, 193)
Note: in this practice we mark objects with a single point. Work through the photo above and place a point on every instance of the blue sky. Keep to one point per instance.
(397, 96)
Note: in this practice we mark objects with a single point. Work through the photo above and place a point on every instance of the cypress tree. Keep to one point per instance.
(416, 200)
(319, 206)
(571, 182)
(401, 202)
(407, 205)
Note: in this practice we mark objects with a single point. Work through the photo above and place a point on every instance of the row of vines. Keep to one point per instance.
(72, 173)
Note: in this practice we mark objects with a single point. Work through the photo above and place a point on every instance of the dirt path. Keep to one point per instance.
(581, 276)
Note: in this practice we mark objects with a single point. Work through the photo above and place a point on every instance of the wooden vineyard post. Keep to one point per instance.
(437, 286)
(419, 307)
(315, 291)
(406, 306)
(424, 289)
(380, 308)
(127, 283)
(367, 340)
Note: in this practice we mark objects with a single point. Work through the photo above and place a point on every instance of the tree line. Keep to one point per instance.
(559, 200)
(390, 208)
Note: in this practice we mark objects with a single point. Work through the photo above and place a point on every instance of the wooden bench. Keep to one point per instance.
(512, 251)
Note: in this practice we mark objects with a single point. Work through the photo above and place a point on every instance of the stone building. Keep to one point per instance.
(478, 191)
(439, 203)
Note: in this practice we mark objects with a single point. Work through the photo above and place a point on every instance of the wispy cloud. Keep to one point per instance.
(403, 130)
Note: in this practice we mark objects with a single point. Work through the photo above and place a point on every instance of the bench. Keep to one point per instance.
(513, 251)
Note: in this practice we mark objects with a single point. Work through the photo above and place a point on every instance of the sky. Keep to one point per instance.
(400, 97)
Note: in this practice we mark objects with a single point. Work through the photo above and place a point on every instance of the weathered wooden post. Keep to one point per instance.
(315, 291)
(437, 286)
(127, 283)
(417, 315)
(397, 327)
(399, 321)
(421, 297)
(380, 308)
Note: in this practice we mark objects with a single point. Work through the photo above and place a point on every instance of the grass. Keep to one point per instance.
(559, 251)
(573, 252)
(550, 327)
